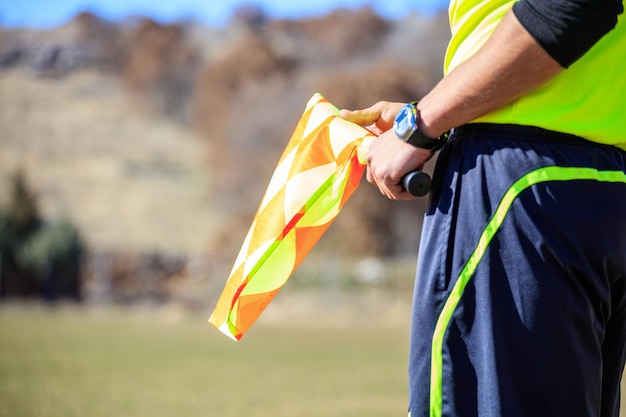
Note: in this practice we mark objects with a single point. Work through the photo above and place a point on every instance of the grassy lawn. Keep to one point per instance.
(91, 363)
(83, 362)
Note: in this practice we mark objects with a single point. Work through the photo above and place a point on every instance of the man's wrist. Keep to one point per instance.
(408, 127)
(423, 126)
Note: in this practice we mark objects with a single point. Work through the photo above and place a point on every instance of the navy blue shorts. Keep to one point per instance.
(520, 296)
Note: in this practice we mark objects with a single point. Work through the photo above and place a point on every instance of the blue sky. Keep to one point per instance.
(50, 13)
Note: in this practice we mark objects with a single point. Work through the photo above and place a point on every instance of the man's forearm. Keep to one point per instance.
(510, 64)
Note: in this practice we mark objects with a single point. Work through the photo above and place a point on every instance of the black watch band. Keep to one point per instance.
(422, 141)
(406, 128)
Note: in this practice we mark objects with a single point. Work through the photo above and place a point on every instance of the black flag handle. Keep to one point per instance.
(416, 183)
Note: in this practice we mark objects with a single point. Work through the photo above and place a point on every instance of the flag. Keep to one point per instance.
(317, 173)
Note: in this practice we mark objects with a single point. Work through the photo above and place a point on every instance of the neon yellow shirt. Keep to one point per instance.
(587, 99)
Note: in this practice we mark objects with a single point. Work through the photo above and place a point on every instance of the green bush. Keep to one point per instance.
(52, 243)
(37, 257)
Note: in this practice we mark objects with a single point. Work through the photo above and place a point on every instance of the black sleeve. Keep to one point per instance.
(567, 29)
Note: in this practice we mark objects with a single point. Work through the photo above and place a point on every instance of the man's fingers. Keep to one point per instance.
(360, 117)
(370, 177)
(390, 190)
(364, 117)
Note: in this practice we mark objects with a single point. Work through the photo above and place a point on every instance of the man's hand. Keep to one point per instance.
(389, 158)
(377, 118)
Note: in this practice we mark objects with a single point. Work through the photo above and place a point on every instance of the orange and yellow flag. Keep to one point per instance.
(318, 172)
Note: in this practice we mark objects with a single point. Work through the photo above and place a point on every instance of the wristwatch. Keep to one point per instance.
(405, 127)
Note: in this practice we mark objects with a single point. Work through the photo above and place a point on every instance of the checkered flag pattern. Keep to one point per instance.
(319, 170)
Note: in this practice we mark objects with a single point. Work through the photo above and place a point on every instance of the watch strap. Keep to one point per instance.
(420, 140)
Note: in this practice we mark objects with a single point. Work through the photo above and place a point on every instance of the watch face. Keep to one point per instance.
(405, 122)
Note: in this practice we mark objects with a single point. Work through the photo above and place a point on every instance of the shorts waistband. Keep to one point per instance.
(521, 132)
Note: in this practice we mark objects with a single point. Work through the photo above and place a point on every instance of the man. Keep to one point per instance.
(520, 297)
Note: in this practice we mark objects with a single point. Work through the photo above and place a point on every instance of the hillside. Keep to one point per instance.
(130, 180)
(157, 138)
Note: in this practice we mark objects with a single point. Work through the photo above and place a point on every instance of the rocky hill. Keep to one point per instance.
(155, 137)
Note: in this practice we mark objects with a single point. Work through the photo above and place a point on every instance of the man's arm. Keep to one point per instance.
(509, 65)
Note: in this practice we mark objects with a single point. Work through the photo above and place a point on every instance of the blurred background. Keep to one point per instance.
(136, 141)
(135, 148)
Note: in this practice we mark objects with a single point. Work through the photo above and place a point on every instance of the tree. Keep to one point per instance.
(36, 257)
(23, 211)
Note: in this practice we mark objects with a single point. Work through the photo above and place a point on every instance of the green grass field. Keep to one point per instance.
(83, 362)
